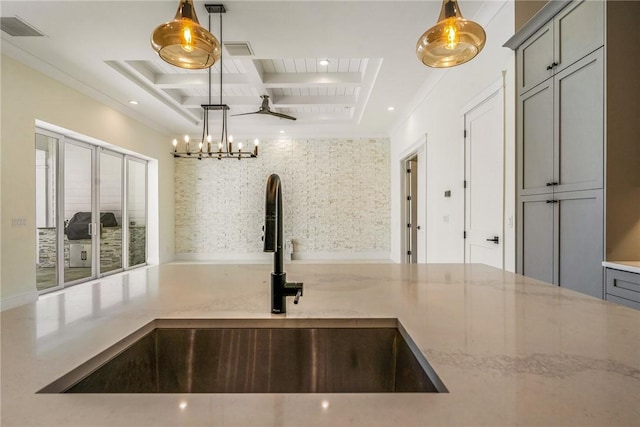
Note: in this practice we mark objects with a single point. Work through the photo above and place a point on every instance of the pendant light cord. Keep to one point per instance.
(221, 53)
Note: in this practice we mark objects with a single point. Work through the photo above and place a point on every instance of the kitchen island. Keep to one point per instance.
(511, 350)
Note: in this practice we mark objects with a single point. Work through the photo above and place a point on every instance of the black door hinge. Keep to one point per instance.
(464, 183)
(408, 225)
(408, 197)
(408, 170)
(408, 252)
(464, 234)
(465, 133)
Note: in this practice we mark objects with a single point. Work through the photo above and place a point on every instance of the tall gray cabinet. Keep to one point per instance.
(560, 147)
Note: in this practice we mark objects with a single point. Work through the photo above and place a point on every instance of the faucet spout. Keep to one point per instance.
(273, 231)
(273, 222)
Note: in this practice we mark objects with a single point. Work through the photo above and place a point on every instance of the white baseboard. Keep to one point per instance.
(264, 258)
(226, 257)
(17, 300)
(342, 256)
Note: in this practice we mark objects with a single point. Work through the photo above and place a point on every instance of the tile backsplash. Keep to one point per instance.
(336, 199)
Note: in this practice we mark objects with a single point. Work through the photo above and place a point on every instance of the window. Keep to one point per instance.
(91, 207)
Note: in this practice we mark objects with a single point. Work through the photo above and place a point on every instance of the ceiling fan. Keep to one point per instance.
(265, 109)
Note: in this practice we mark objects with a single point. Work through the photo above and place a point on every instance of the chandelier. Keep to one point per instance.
(452, 41)
(206, 147)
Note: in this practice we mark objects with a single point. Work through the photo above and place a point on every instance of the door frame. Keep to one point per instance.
(415, 149)
(497, 88)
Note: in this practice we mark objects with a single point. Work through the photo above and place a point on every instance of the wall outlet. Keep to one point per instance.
(19, 222)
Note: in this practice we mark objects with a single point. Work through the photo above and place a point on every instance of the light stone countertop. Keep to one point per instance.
(511, 350)
(630, 266)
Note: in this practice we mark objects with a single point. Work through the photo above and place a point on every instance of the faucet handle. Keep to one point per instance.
(296, 299)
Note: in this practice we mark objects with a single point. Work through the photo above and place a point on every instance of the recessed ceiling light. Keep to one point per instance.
(133, 102)
(323, 62)
(391, 108)
(281, 131)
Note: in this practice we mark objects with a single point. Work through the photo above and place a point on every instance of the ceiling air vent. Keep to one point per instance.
(238, 48)
(16, 27)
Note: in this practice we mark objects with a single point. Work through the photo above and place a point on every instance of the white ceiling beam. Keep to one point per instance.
(132, 74)
(258, 79)
(295, 101)
(311, 79)
(279, 102)
(372, 69)
(197, 101)
(176, 81)
(300, 116)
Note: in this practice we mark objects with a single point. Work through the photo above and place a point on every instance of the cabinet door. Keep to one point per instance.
(535, 140)
(579, 111)
(580, 241)
(578, 30)
(535, 246)
(534, 57)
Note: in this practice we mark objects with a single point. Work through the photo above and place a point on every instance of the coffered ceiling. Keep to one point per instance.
(102, 48)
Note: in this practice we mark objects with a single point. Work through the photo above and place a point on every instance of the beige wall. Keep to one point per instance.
(27, 96)
(439, 120)
(525, 9)
(623, 130)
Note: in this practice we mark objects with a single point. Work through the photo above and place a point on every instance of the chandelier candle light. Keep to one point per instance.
(206, 146)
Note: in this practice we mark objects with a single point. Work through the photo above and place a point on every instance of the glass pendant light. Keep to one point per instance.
(183, 42)
(452, 41)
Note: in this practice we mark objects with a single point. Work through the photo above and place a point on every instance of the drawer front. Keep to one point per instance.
(622, 301)
(623, 284)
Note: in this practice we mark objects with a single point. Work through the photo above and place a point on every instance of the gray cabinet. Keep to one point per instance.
(560, 239)
(560, 149)
(535, 140)
(578, 30)
(580, 236)
(536, 237)
(623, 287)
(573, 33)
(534, 58)
(578, 159)
(561, 130)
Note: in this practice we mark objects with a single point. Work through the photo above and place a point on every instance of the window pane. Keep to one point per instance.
(46, 196)
(137, 211)
(110, 212)
(77, 212)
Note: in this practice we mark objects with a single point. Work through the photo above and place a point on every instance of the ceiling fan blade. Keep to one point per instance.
(245, 114)
(264, 109)
(282, 116)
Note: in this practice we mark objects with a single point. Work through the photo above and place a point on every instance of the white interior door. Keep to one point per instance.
(484, 174)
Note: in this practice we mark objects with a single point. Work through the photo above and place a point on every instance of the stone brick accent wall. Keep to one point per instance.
(336, 198)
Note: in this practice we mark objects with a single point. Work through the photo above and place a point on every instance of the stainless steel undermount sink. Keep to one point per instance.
(257, 356)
